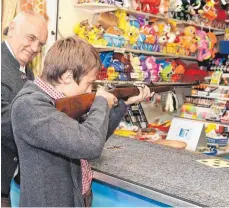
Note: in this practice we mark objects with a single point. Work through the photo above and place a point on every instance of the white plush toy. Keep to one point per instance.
(171, 102)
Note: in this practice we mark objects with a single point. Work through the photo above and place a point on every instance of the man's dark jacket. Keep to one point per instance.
(12, 81)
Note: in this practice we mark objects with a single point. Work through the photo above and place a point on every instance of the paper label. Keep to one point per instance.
(202, 93)
(119, 50)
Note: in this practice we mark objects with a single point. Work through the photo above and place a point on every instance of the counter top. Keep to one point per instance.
(168, 171)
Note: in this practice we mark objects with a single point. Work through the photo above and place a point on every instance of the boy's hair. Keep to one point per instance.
(73, 54)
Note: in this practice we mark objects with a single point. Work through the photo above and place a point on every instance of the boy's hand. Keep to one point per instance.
(111, 99)
(144, 92)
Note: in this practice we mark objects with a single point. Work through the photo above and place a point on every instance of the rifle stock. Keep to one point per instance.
(76, 106)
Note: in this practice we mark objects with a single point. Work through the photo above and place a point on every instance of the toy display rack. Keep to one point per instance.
(225, 75)
(123, 50)
(204, 121)
(95, 8)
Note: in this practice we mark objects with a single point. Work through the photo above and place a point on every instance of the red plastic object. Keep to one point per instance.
(161, 127)
(192, 75)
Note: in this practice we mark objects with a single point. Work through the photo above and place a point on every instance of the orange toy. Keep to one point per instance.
(209, 11)
(187, 41)
(212, 41)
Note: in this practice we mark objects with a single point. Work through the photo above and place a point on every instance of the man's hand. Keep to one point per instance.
(111, 99)
(144, 92)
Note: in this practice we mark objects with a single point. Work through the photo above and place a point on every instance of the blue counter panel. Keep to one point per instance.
(105, 195)
(224, 47)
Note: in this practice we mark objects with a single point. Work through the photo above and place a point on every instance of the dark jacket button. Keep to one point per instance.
(15, 159)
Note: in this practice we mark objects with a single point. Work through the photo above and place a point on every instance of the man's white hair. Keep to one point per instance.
(22, 16)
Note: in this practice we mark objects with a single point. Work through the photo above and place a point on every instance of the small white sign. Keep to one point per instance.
(189, 131)
(119, 50)
(134, 75)
(203, 93)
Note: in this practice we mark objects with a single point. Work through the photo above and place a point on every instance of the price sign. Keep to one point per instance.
(189, 131)
(119, 50)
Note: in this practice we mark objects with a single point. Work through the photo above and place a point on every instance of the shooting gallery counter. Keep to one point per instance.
(167, 175)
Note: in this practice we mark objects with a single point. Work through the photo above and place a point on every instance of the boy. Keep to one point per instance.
(54, 148)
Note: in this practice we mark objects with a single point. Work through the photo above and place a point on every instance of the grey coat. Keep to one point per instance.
(50, 145)
(12, 81)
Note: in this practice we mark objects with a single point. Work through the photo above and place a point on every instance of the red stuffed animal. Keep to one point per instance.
(150, 6)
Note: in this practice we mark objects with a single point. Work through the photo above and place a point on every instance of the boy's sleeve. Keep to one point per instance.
(116, 115)
(41, 125)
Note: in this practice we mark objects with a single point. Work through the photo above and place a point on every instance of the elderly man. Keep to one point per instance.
(27, 34)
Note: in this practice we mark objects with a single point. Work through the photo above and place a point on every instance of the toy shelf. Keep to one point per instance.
(213, 96)
(205, 121)
(123, 50)
(95, 8)
(226, 75)
(219, 86)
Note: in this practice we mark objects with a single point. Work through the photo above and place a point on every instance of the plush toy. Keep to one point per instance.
(188, 39)
(152, 68)
(209, 11)
(114, 37)
(105, 20)
(118, 3)
(137, 74)
(80, 28)
(122, 19)
(172, 43)
(180, 10)
(203, 50)
(150, 6)
(165, 70)
(106, 58)
(171, 102)
(212, 42)
(175, 6)
(178, 70)
(112, 74)
(133, 33)
(125, 59)
(164, 7)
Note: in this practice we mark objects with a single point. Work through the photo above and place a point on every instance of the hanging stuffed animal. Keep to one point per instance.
(171, 102)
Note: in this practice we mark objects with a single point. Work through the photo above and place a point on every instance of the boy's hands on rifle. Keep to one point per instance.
(111, 99)
(144, 92)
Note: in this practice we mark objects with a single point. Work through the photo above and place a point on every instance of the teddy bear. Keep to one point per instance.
(137, 73)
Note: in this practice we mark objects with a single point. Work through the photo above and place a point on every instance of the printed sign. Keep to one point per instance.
(188, 131)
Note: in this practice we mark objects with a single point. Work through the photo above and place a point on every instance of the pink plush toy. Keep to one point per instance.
(152, 68)
(203, 51)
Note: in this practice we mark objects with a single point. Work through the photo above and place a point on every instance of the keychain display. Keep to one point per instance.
(219, 63)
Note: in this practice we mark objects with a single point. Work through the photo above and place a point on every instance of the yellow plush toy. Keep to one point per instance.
(122, 19)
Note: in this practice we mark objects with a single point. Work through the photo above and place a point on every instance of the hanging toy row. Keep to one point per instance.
(208, 12)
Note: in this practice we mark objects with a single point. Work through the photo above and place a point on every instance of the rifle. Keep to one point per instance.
(76, 106)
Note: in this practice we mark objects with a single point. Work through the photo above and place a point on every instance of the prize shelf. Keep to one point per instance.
(211, 96)
(95, 8)
(225, 75)
(218, 86)
(205, 121)
(123, 50)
